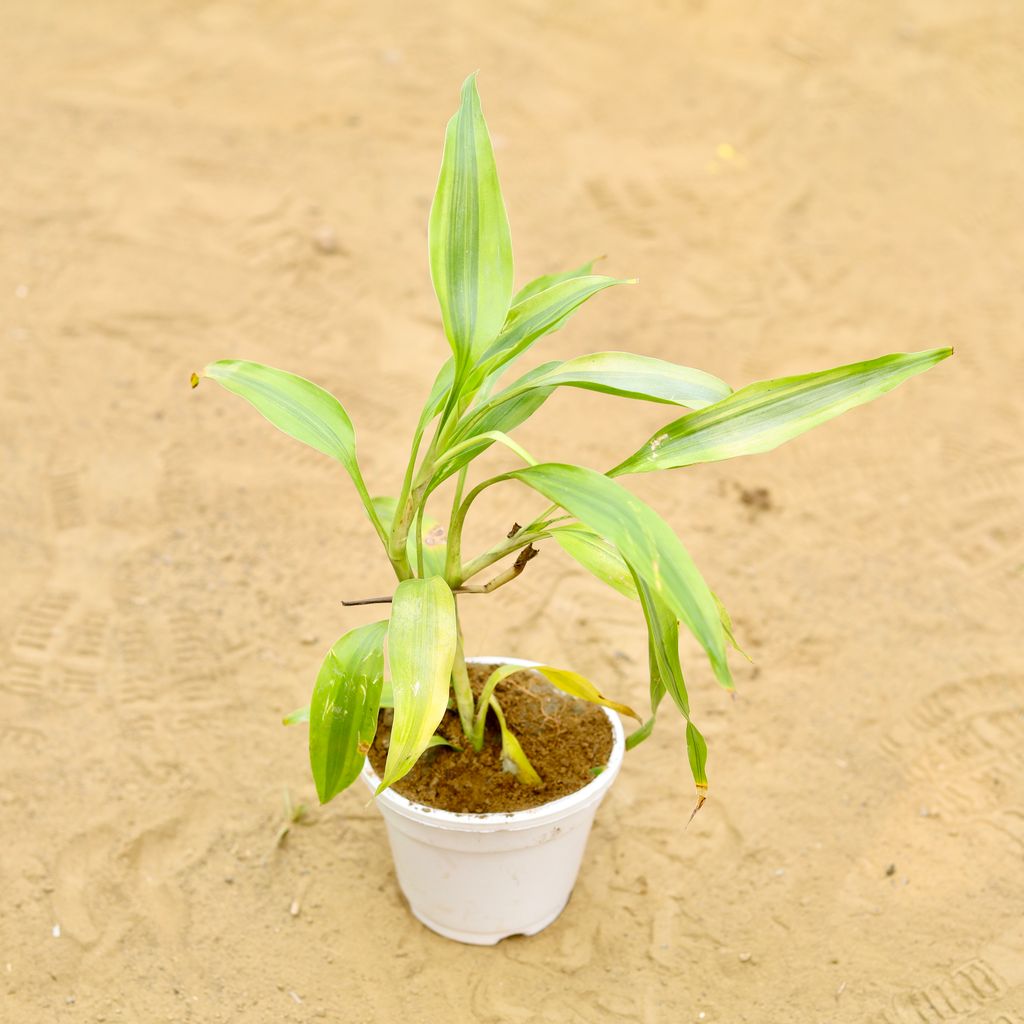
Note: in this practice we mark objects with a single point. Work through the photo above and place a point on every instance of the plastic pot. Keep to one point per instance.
(479, 878)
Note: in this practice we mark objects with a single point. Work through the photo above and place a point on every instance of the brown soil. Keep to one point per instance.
(565, 740)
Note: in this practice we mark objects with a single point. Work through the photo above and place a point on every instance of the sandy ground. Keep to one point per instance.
(797, 185)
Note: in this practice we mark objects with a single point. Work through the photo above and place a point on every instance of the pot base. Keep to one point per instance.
(485, 938)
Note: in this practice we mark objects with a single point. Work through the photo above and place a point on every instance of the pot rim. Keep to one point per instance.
(553, 810)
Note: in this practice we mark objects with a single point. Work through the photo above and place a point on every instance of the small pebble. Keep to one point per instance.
(229, 879)
(325, 239)
(309, 639)
(294, 908)
(744, 958)
(295, 996)
(55, 931)
(890, 871)
(70, 1000)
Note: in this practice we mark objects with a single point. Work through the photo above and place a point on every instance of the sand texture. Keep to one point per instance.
(797, 185)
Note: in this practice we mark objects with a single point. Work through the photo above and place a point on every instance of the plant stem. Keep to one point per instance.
(463, 691)
(453, 563)
(419, 539)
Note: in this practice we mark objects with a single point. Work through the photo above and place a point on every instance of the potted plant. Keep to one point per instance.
(501, 856)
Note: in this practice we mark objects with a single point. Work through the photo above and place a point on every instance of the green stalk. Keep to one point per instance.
(419, 539)
(453, 563)
(463, 691)
(482, 704)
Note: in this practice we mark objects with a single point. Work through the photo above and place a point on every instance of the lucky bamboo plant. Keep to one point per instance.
(591, 516)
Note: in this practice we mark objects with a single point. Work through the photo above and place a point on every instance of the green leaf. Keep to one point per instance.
(513, 756)
(301, 409)
(435, 537)
(644, 540)
(762, 416)
(489, 419)
(545, 281)
(468, 235)
(293, 404)
(540, 314)
(667, 677)
(421, 650)
(509, 412)
(343, 709)
(726, 618)
(296, 717)
(658, 691)
(663, 636)
(438, 394)
(697, 751)
(597, 556)
(631, 376)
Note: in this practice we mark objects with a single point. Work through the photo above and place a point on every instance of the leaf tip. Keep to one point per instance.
(702, 795)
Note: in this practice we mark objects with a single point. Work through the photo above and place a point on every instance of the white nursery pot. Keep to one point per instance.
(479, 878)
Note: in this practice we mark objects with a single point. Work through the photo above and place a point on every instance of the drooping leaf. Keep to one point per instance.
(343, 708)
(299, 407)
(421, 650)
(663, 634)
(597, 556)
(641, 733)
(658, 692)
(627, 375)
(644, 540)
(697, 751)
(468, 235)
(513, 756)
(576, 685)
(539, 314)
(667, 677)
(545, 281)
(435, 537)
(562, 679)
(762, 416)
